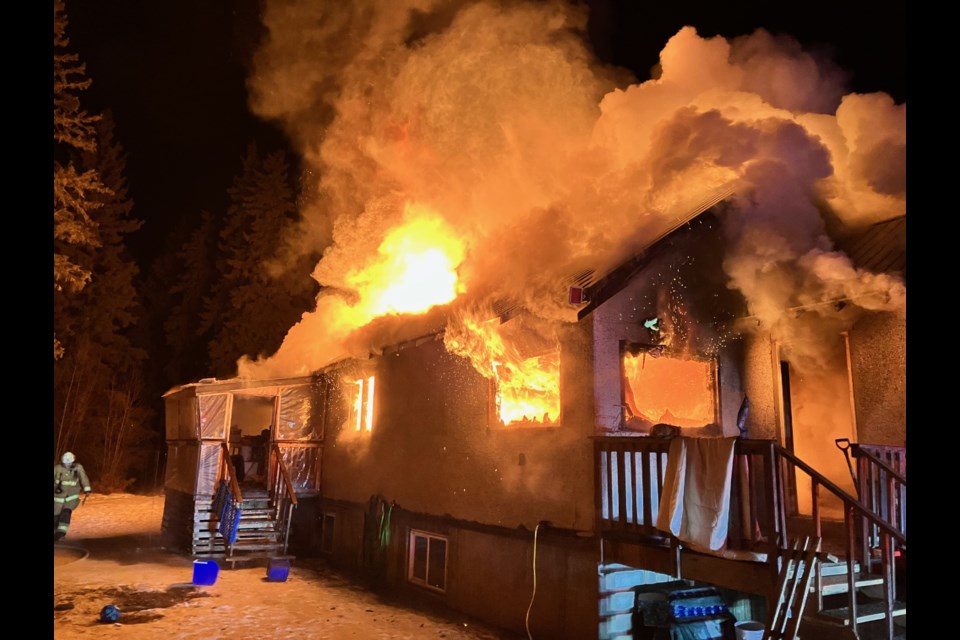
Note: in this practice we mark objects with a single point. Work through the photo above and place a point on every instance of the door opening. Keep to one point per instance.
(817, 403)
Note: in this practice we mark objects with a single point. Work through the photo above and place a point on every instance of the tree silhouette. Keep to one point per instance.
(74, 191)
(257, 297)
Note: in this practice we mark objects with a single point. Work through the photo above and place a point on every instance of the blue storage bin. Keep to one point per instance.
(278, 569)
(205, 572)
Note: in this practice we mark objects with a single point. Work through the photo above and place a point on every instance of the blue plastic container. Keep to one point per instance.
(278, 569)
(205, 572)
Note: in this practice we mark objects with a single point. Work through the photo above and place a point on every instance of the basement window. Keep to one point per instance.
(362, 411)
(427, 562)
(660, 387)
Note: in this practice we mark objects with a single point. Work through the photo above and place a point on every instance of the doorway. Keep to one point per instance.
(250, 437)
(817, 409)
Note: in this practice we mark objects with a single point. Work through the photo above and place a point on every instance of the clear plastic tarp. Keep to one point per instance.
(207, 470)
(181, 466)
(213, 412)
(302, 465)
(296, 410)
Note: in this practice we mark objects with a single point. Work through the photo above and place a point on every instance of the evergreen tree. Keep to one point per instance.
(74, 191)
(255, 300)
(97, 382)
(187, 343)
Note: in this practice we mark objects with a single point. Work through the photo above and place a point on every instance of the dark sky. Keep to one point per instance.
(173, 74)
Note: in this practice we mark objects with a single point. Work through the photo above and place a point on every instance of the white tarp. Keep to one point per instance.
(695, 500)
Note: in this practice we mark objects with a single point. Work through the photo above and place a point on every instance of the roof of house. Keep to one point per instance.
(881, 247)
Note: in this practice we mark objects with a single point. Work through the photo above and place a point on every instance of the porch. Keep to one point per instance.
(858, 583)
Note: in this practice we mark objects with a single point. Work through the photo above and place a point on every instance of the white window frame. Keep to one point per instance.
(425, 581)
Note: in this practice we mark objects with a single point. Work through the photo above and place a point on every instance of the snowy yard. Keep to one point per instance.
(112, 555)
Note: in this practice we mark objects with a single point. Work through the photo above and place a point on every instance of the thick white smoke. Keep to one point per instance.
(498, 117)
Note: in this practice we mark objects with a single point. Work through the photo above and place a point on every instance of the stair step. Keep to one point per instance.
(866, 612)
(837, 568)
(266, 546)
(836, 584)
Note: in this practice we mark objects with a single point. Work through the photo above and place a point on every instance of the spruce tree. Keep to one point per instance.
(256, 297)
(75, 191)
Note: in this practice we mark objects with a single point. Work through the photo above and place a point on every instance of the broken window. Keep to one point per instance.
(427, 563)
(362, 409)
(660, 387)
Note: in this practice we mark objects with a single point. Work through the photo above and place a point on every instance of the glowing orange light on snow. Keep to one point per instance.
(415, 268)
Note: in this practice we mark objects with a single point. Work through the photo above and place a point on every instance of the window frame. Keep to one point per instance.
(636, 348)
(363, 404)
(411, 552)
(493, 418)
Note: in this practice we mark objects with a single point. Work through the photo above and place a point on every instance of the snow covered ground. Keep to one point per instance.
(112, 555)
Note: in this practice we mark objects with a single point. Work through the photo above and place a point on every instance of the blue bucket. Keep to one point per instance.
(205, 572)
(278, 569)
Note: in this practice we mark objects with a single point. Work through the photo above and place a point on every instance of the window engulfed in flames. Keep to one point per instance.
(667, 389)
(528, 391)
(363, 405)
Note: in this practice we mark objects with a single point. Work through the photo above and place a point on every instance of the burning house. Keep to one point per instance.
(538, 277)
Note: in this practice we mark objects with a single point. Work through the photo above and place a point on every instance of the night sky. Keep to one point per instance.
(173, 74)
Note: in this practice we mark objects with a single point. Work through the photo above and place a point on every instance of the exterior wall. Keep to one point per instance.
(621, 317)
(433, 451)
(878, 359)
(760, 382)
(435, 455)
(489, 570)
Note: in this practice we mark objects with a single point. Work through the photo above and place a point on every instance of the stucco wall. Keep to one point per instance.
(621, 318)
(759, 381)
(432, 450)
(878, 360)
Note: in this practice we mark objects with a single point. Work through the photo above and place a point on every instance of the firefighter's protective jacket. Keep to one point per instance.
(68, 482)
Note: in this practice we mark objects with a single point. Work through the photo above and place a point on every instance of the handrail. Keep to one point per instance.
(848, 500)
(226, 470)
(227, 461)
(284, 474)
(288, 499)
(852, 507)
(630, 473)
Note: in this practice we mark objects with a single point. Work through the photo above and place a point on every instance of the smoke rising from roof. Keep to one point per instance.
(499, 118)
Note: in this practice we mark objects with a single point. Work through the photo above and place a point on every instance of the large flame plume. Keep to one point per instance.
(497, 118)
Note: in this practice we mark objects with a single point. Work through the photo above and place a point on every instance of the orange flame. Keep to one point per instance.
(527, 388)
(416, 269)
(671, 390)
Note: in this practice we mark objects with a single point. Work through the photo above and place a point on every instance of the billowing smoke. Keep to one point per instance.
(497, 118)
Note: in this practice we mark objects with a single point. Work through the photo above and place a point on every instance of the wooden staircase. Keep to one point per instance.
(831, 619)
(858, 591)
(259, 534)
(253, 523)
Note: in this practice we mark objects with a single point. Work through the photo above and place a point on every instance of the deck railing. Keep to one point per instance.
(882, 486)
(629, 482)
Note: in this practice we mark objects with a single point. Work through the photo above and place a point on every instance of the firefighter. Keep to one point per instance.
(69, 478)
